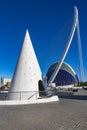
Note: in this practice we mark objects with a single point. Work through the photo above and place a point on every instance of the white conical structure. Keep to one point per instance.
(24, 84)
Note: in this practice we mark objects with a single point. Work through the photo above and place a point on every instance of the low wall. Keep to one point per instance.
(22, 102)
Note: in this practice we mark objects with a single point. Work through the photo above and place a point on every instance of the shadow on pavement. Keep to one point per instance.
(74, 97)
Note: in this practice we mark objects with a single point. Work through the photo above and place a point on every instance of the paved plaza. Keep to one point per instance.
(67, 114)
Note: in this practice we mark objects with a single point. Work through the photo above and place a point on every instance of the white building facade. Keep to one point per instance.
(5, 80)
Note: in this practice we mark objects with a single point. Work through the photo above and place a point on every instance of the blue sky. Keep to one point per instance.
(49, 23)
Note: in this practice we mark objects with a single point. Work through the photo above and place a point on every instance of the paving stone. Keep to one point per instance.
(67, 114)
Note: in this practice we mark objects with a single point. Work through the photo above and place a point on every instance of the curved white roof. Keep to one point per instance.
(68, 68)
(65, 67)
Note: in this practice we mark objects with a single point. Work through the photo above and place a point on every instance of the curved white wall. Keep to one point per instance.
(27, 73)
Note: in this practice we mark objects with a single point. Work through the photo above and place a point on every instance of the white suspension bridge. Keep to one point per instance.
(75, 27)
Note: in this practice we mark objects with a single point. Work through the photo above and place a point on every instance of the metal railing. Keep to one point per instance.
(21, 94)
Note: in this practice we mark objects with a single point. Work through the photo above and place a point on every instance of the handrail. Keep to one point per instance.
(32, 96)
(4, 96)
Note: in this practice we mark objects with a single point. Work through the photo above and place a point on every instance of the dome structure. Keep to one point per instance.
(65, 76)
